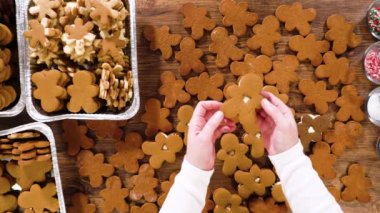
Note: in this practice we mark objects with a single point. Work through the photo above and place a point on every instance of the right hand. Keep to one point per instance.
(277, 124)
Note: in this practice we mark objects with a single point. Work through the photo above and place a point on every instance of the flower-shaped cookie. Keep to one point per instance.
(227, 202)
(143, 185)
(343, 135)
(205, 86)
(172, 89)
(284, 73)
(308, 48)
(269, 205)
(184, 115)
(114, 196)
(233, 154)
(45, 197)
(79, 203)
(107, 129)
(75, 137)
(243, 100)
(128, 153)
(260, 65)
(295, 17)
(323, 162)
(317, 94)
(164, 148)
(265, 36)
(335, 69)
(93, 167)
(350, 103)
(224, 47)
(255, 181)
(155, 117)
(356, 184)
(196, 19)
(189, 57)
(237, 16)
(161, 39)
(257, 144)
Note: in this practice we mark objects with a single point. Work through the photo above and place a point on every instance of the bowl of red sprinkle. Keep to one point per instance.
(373, 18)
(372, 63)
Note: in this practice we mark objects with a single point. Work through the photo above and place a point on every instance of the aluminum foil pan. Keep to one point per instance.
(19, 107)
(33, 108)
(46, 131)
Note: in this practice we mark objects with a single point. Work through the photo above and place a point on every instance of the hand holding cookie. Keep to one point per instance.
(204, 128)
(277, 125)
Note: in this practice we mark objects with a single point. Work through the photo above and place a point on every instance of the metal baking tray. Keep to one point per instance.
(46, 131)
(32, 106)
(17, 107)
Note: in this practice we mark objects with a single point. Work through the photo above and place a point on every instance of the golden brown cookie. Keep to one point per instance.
(350, 103)
(308, 48)
(343, 135)
(38, 35)
(335, 192)
(227, 202)
(114, 196)
(196, 19)
(284, 73)
(142, 186)
(161, 39)
(93, 167)
(163, 149)
(173, 90)
(257, 144)
(323, 162)
(128, 153)
(296, 18)
(39, 198)
(189, 57)
(165, 188)
(107, 129)
(156, 118)
(111, 48)
(6, 35)
(335, 69)
(317, 94)
(255, 181)
(260, 206)
(233, 154)
(356, 185)
(45, 8)
(75, 137)
(210, 205)
(7, 96)
(79, 203)
(277, 193)
(260, 65)
(8, 203)
(146, 208)
(205, 86)
(274, 90)
(243, 100)
(237, 15)
(266, 35)
(224, 47)
(341, 33)
(184, 115)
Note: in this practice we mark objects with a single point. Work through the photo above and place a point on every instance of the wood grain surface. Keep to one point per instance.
(165, 12)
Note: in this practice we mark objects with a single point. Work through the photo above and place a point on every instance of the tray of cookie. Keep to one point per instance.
(11, 76)
(29, 174)
(81, 60)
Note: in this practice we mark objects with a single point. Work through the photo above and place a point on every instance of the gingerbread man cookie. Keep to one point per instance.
(295, 17)
(257, 144)
(317, 94)
(350, 103)
(189, 57)
(255, 181)
(269, 205)
(83, 93)
(38, 35)
(172, 89)
(243, 100)
(111, 48)
(79, 203)
(75, 137)
(45, 197)
(356, 185)
(323, 162)
(274, 90)
(308, 48)
(343, 135)
(224, 47)
(163, 149)
(227, 202)
(128, 153)
(45, 8)
(143, 185)
(196, 19)
(107, 129)
(233, 154)
(260, 65)
(160, 38)
(341, 33)
(165, 188)
(114, 196)
(205, 86)
(156, 117)
(284, 73)
(237, 16)
(184, 115)
(266, 35)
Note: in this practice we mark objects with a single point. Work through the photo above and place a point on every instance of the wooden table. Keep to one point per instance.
(161, 12)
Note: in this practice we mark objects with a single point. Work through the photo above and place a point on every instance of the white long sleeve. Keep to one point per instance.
(304, 190)
(188, 193)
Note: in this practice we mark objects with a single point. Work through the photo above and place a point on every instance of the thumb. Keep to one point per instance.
(213, 123)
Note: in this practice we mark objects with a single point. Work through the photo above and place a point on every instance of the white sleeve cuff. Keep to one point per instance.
(195, 175)
(287, 157)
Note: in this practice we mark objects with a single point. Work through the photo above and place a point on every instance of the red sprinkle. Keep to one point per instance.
(372, 64)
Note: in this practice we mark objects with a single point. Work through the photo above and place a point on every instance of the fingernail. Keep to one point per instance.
(219, 114)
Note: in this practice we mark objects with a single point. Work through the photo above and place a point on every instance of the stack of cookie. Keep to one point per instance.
(76, 37)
